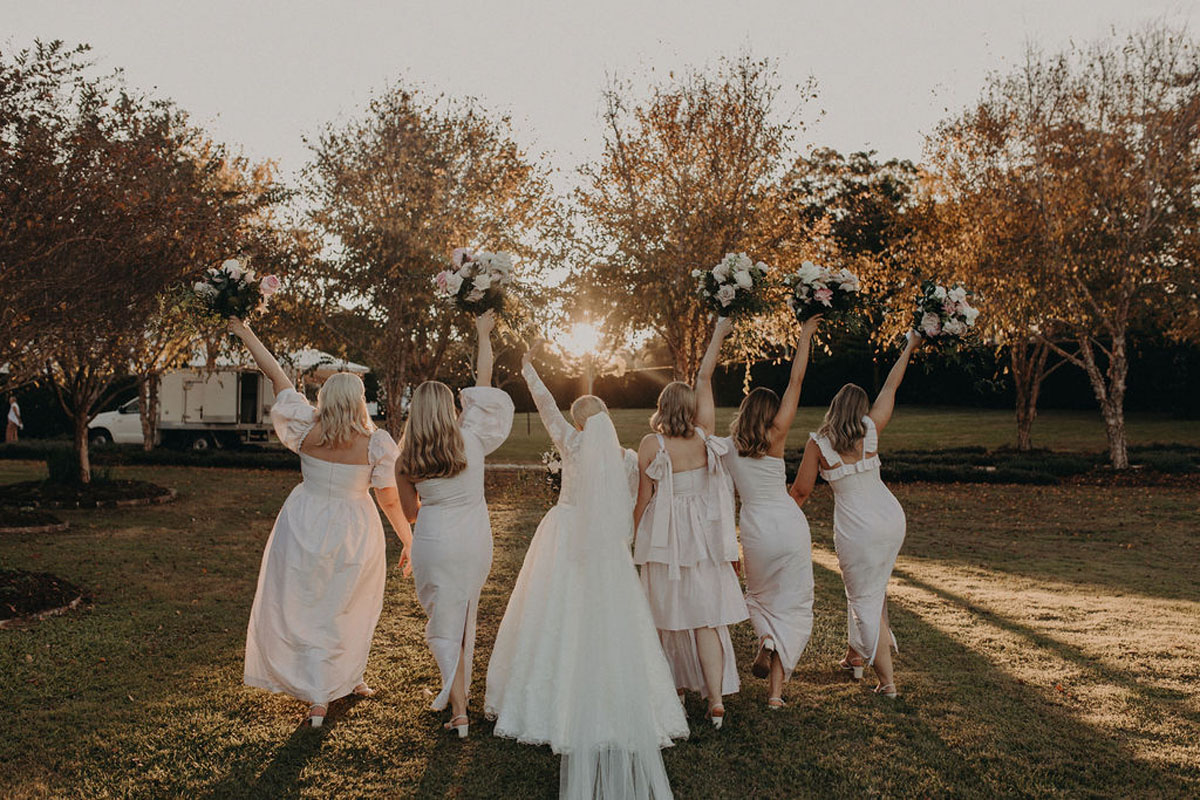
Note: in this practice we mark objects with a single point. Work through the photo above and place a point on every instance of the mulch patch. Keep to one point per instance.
(98, 494)
(26, 518)
(1136, 477)
(23, 593)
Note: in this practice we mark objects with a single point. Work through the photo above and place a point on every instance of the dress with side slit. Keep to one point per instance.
(868, 530)
(452, 539)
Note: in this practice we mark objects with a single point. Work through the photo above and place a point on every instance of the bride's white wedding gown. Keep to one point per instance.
(577, 662)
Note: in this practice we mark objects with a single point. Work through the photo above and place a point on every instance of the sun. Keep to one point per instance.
(582, 339)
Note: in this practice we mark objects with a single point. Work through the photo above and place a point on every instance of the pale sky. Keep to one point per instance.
(261, 74)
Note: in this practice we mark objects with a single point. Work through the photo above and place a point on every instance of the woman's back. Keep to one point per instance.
(686, 453)
(464, 488)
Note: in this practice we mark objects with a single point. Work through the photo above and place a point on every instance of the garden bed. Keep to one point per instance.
(98, 494)
(29, 520)
(26, 594)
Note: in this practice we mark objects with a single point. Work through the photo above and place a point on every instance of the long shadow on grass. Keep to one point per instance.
(962, 728)
(1063, 650)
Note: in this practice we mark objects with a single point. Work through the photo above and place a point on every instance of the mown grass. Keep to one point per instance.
(912, 428)
(1049, 648)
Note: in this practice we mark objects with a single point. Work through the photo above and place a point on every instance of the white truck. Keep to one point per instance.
(199, 408)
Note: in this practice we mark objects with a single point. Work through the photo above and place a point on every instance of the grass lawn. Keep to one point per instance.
(1050, 647)
(912, 427)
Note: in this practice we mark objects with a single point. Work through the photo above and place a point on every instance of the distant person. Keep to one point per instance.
(14, 420)
(868, 522)
(320, 586)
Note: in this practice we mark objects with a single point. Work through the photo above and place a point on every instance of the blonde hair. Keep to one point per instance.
(751, 427)
(843, 425)
(585, 407)
(676, 412)
(432, 444)
(342, 410)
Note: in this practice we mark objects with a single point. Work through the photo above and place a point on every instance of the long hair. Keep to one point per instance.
(432, 444)
(342, 410)
(676, 411)
(751, 427)
(585, 407)
(843, 425)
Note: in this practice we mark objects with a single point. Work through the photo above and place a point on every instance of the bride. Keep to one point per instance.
(577, 663)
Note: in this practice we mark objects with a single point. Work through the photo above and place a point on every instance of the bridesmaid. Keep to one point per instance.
(686, 541)
(868, 522)
(441, 488)
(776, 546)
(320, 587)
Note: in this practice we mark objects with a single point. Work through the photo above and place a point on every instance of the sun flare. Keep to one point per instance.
(582, 338)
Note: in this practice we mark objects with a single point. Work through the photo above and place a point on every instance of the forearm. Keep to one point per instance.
(394, 512)
(484, 361)
(896, 375)
(708, 364)
(265, 360)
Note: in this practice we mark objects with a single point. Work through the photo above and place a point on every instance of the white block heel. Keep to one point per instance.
(462, 728)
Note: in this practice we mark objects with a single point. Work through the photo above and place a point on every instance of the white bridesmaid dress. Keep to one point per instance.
(868, 530)
(577, 662)
(686, 543)
(320, 586)
(452, 538)
(776, 554)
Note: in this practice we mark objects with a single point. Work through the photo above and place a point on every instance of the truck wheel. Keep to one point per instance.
(201, 442)
(99, 436)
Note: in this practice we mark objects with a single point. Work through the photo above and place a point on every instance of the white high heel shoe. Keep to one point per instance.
(314, 719)
(716, 715)
(461, 728)
(850, 666)
(362, 690)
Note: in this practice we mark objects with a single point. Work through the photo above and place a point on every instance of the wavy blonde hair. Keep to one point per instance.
(676, 411)
(585, 407)
(843, 425)
(751, 426)
(432, 444)
(342, 410)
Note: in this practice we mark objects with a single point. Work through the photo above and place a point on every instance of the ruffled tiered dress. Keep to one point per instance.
(686, 545)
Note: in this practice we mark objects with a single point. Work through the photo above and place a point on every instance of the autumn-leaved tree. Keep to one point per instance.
(396, 190)
(687, 175)
(107, 202)
(1085, 167)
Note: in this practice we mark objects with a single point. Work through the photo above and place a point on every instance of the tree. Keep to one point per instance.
(108, 202)
(685, 177)
(1098, 148)
(396, 190)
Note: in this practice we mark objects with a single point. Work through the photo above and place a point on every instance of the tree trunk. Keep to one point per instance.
(1028, 363)
(1109, 386)
(82, 456)
(148, 409)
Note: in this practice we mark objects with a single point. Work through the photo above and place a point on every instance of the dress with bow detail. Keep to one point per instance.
(686, 543)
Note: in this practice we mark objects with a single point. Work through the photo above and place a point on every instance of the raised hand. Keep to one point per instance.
(485, 323)
(810, 325)
(237, 326)
(723, 327)
(534, 348)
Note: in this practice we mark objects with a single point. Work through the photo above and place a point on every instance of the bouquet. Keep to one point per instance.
(231, 290)
(943, 313)
(821, 290)
(735, 286)
(553, 464)
(476, 282)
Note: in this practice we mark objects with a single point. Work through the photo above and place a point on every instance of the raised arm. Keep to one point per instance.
(791, 396)
(262, 356)
(557, 425)
(706, 408)
(885, 402)
(806, 475)
(484, 324)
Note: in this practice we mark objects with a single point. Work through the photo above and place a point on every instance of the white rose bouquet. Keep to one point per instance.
(552, 462)
(943, 314)
(476, 281)
(231, 290)
(734, 287)
(820, 290)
